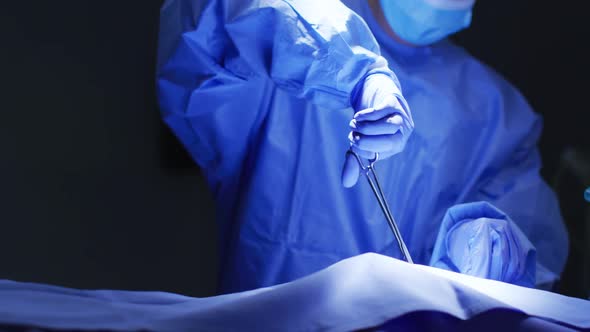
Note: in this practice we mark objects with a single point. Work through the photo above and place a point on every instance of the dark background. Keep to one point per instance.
(96, 193)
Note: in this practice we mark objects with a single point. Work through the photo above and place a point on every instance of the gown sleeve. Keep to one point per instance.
(216, 55)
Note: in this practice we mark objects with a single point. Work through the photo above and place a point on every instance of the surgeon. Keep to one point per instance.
(268, 97)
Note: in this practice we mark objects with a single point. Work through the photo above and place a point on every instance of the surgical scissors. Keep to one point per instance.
(382, 200)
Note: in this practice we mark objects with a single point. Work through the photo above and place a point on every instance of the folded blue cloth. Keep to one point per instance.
(361, 292)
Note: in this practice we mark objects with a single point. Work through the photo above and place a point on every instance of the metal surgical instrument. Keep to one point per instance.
(382, 200)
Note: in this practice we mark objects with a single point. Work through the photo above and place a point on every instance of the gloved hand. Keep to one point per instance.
(479, 240)
(381, 124)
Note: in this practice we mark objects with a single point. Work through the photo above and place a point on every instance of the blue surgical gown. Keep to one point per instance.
(258, 93)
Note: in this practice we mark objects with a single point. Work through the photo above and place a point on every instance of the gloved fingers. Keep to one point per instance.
(374, 114)
(388, 107)
(368, 155)
(378, 143)
(365, 154)
(385, 155)
(350, 171)
(387, 125)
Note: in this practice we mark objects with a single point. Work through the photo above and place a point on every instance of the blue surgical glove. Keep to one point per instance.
(381, 124)
(479, 240)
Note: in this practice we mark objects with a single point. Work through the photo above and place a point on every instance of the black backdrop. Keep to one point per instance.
(96, 193)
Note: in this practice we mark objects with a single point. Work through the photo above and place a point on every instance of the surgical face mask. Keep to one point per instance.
(423, 22)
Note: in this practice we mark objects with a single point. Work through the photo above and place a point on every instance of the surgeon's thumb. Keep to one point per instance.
(350, 171)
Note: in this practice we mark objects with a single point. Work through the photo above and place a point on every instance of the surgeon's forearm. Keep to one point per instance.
(318, 50)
